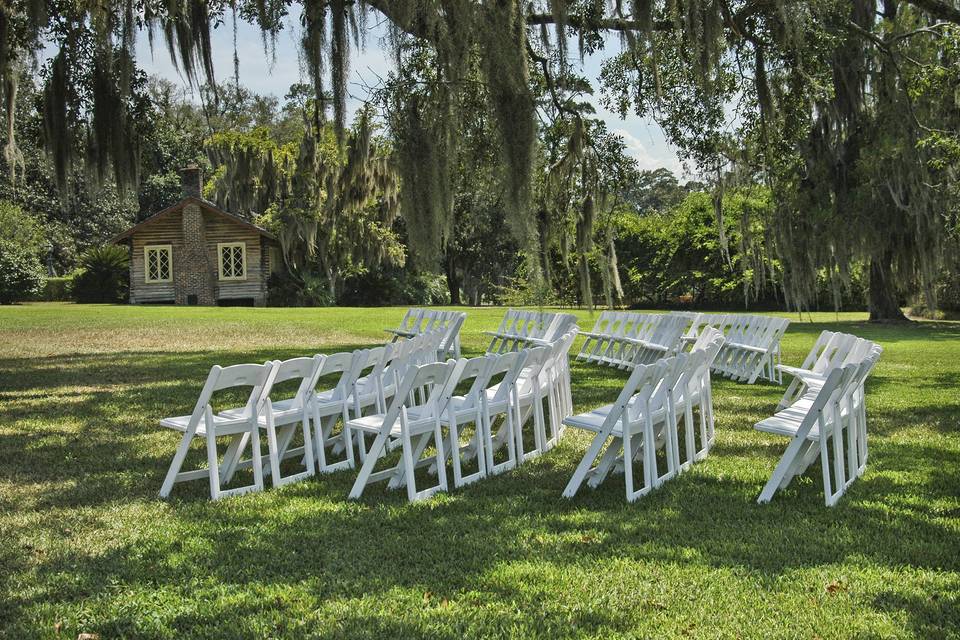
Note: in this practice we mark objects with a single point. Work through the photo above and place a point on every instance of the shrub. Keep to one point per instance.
(283, 290)
(391, 286)
(21, 274)
(58, 289)
(103, 276)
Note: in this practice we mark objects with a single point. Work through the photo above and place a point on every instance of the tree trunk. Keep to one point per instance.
(883, 303)
(453, 282)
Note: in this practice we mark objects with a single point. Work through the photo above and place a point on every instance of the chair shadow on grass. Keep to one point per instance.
(104, 439)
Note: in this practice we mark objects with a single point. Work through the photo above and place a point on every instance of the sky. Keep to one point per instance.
(261, 74)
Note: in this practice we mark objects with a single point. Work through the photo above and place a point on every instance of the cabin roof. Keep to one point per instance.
(205, 204)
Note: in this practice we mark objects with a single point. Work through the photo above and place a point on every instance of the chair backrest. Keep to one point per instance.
(636, 393)
(536, 358)
(370, 373)
(602, 322)
(342, 363)
(560, 324)
(431, 377)
(476, 369)
(304, 369)
(258, 377)
(509, 365)
(707, 335)
(448, 342)
(411, 320)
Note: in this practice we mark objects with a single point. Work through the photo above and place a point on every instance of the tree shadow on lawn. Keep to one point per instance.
(309, 536)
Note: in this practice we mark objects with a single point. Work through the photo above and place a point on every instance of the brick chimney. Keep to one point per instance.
(194, 274)
(190, 181)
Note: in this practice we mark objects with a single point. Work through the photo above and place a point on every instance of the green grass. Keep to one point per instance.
(88, 547)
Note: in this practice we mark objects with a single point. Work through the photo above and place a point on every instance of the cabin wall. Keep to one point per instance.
(194, 233)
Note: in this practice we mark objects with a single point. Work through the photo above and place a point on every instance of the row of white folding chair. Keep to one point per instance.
(753, 345)
(661, 339)
(644, 420)
(279, 417)
(831, 349)
(417, 321)
(828, 415)
(606, 344)
(528, 379)
(520, 329)
(243, 425)
(623, 339)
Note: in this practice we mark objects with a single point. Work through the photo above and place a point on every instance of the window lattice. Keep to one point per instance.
(158, 264)
(231, 261)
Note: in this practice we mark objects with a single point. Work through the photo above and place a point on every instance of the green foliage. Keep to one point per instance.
(675, 256)
(104, 275)
(21, 228)
(522, 290)
(58, 289)
(392, 286)
(284, 290)
(21, 274)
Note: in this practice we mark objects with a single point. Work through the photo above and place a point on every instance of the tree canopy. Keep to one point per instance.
(847, 111)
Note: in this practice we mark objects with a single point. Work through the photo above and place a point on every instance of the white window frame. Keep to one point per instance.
(243, 253)
(147, 248)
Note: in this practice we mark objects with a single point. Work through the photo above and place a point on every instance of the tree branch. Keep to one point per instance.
(942, 10)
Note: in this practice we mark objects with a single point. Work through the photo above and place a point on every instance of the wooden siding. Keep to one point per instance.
(219, 229)
(165, 230)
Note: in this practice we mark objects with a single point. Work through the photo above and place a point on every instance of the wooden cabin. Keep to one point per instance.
(196, 253)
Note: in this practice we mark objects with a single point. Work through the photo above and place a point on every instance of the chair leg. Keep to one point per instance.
(273, 450)
(181, 454)
(367, 467)
(780, 471)
(319, 441)
(212, 470)
(580, 473)
(408, 468)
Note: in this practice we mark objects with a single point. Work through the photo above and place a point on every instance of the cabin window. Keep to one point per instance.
(158, 263)
(233, 260)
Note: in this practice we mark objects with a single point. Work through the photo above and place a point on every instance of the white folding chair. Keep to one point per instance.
(499, 399)
(615, 425)
(698, 394)
(462, 411)
(528, 401)
(280, 417)
(413, 424)
(552, 387)
(205, 423)
(332, 404)
(831, 349)
(829, 420)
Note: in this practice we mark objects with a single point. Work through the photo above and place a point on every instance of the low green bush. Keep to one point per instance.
(58, 289)
(21, 274)
(104, 275)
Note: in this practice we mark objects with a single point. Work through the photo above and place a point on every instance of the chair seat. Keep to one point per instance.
(806, 376)
(786, 422)
(283, 413)
(593, 420)
(374, 422)
(227, 422)
(746, 347)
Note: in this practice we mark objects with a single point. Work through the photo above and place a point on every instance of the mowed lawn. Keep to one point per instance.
(87, 547)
